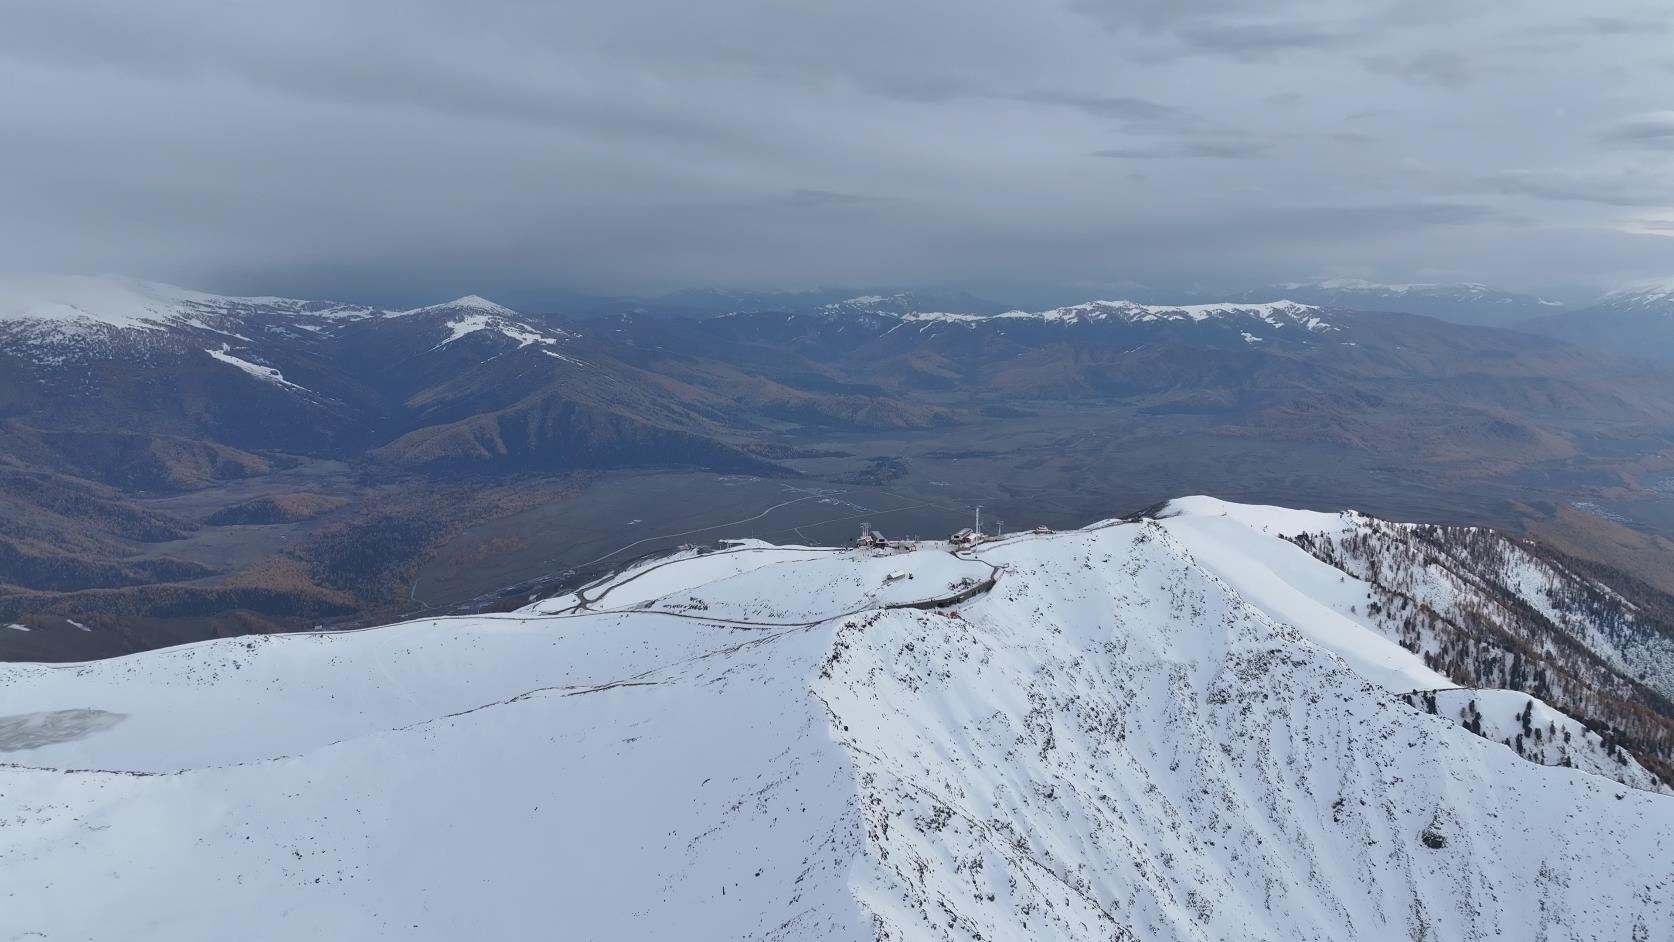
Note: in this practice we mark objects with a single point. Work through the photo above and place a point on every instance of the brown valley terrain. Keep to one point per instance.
(175, 465)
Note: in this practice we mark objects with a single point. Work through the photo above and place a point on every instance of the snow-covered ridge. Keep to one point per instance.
(73, 301)
(473, 314)
(134, 304)
(1656, 295)
(1280, 314)
(1179, 729)
(62, 317)
(1472, 302)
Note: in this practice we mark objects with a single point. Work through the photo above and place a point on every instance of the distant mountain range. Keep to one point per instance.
(1462, 303)
(120, 398)
(1636, 321)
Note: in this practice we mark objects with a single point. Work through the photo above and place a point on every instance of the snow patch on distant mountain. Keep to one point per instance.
(1278, 314)
(1652, 296)
(266, 374)
(1461, 302)
(473, 314)
(510, 329)
(1179, 729)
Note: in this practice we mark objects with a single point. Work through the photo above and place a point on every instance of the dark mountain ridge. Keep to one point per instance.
(121, 401)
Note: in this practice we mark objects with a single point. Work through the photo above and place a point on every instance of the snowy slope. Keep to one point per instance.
(1346, 613)
(1156, 730)
(473, 314)
(266, 374)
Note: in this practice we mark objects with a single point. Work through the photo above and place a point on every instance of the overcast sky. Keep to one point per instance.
(401, 150)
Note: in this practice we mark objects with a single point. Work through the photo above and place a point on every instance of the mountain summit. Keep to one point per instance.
(1185, 727)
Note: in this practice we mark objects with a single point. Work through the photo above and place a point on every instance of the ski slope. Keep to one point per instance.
(1161, 730)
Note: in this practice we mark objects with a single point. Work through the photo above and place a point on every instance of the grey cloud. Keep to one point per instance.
(1222, 150)
(1609, 189)
(1601, 26)
(1440, 67)
(1654, 130)
(1267, 39)
(1394, 217)
(930, 88)
(392, 149)
(1101, 106)
(819, 199)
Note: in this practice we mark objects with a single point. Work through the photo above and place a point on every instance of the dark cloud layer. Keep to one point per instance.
(396, 150)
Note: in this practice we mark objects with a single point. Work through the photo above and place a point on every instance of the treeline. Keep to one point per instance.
(366, 556)
(62, 572)
(110, 606)
(1455, 596)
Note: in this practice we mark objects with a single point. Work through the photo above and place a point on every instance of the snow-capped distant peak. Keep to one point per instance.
(1273, 313)
(471, 302)
(1655, 295)
(106, 299)
(64, 305)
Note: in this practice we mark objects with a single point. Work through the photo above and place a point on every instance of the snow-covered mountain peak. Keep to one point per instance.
(66, 310)
(1261, 518)
(472, 303)
(1655, 296)
(474, 314)
(106, 299)
(1188, 728)
(1278, 314)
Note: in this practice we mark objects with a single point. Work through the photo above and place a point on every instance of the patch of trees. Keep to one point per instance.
(110, 606)
(1454, 596)
(361, 557)
(59, 572)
